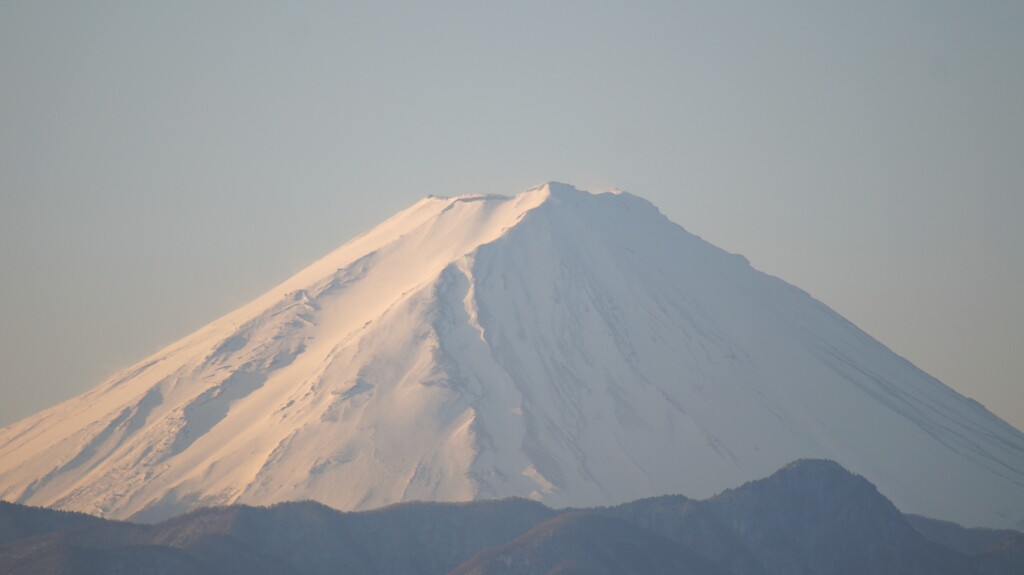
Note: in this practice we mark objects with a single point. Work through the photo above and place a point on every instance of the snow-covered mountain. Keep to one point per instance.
(576, 348)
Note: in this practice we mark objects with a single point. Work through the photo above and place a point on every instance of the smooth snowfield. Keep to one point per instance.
(576, 348)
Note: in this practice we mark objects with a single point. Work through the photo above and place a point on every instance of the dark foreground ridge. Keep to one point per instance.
(811, 517)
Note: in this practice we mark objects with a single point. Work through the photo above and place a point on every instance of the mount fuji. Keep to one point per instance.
(578, 349)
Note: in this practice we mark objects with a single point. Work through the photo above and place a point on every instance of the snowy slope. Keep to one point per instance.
(576, 348)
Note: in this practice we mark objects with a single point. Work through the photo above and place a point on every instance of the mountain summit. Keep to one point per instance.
(575, 348)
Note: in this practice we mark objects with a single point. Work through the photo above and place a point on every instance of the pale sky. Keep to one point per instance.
(162, 163)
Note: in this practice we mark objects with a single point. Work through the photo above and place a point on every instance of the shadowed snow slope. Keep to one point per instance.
(576, 348)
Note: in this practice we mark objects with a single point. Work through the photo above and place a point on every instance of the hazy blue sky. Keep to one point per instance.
(163, 162)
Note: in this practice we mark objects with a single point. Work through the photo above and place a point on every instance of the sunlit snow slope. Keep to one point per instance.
(575, 348)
